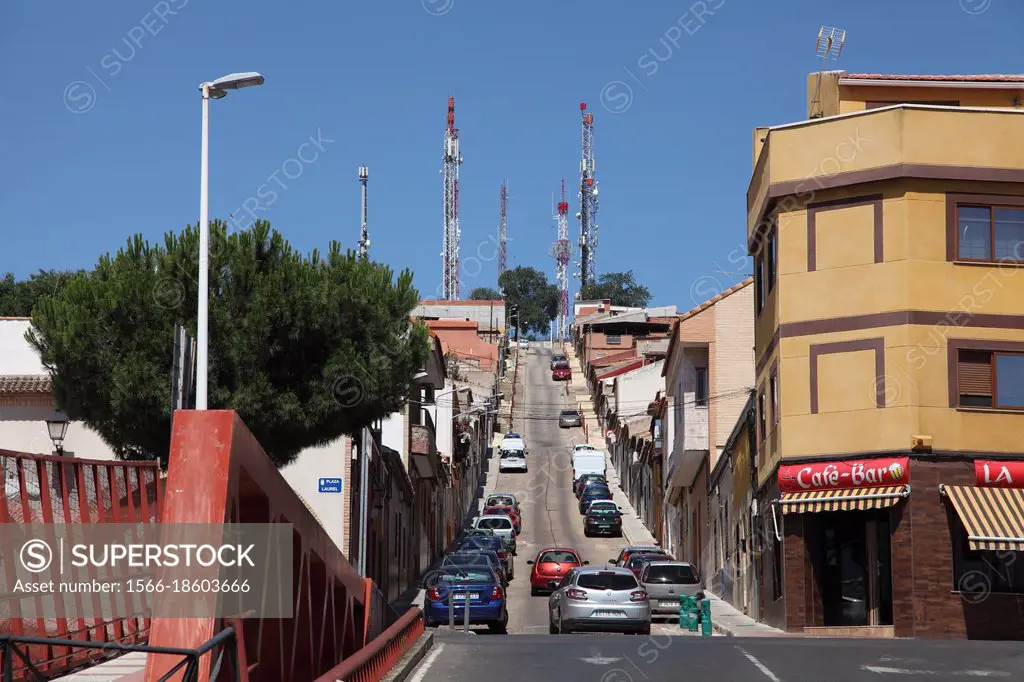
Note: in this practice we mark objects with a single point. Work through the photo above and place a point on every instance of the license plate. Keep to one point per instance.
(670, 603)
(462, 597)
(609, 614)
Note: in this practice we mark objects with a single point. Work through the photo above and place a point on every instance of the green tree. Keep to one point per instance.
(17, 298)
(484, 294)
(304, 348)
(536, 298)
(620, 287)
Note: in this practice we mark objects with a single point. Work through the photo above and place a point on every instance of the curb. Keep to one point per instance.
(407, 663)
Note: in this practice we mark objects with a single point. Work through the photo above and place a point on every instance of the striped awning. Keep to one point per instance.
(993, 517)
(849, 499)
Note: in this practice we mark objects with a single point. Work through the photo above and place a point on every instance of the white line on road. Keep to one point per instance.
(421, 673)
(882, 670)
(760, 666)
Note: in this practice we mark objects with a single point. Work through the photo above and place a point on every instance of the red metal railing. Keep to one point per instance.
(47, 489)
(375, 660)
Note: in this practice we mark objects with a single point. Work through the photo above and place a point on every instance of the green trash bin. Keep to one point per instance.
(688, 610)
(705, 618)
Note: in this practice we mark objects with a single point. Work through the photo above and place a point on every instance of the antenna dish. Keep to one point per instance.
(830, 42)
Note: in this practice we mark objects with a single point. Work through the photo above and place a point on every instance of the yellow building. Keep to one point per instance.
(888, 235)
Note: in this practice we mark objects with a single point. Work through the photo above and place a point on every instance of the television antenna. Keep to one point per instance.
(829, 45)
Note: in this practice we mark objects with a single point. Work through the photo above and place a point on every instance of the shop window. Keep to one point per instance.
(701, 393)
(990, 233)
(983, 573)
(988, 379)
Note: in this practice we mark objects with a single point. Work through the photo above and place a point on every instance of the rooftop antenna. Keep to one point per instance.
(828, 46)
(364, 233)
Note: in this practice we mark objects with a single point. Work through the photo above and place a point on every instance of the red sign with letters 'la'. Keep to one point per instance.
(993, 474)
(861, 473)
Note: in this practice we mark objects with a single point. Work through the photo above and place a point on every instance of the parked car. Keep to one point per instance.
(594, 492)
(602, 599)
(633, 549)
(561, 374)
(512, 460)
(579, 484)
(503, 499)
(501, 525)
(602, 504)
(591, 483)
(448, 592)
(602, 520)
(480, 557)
(551, 564)
(638, 560)
(493, 543)
(558, 358)
(666, 580)
(507, 510)
(513, 442)
(569, 418)
(524, 344)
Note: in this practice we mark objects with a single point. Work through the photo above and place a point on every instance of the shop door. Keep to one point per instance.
(857, 580)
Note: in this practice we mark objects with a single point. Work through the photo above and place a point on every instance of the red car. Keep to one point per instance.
(638, 560)
(552, 564)
(561, 374)
(503, 510)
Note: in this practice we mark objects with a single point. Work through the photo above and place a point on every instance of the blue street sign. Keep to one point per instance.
(330, 485)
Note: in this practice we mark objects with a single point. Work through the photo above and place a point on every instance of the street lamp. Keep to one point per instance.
(57, 428)
(210, 90)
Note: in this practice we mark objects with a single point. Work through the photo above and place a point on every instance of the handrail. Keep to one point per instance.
(190, 658)
(377, 658)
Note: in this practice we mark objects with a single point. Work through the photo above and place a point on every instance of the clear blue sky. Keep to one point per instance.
(374, 78)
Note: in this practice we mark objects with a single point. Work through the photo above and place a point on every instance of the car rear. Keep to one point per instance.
(603, 521)
(447, 595)
(494, 543)
(569, 418)
(481, 558)
(594, 493)
(512, 460)
(504, 510)
(639, 560)
(502, 526)
(666, 580)
(605, 600)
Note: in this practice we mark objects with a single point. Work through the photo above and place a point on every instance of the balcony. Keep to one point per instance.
(905, 141)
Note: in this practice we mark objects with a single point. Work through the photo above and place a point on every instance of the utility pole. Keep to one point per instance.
(451, 159)
(365, 454)
(364, 233)
(588, 200)
(503, 233)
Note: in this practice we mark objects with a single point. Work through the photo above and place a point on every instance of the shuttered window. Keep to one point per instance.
(987, 379)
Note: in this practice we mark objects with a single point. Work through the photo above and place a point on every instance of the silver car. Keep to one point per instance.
(599, 599)
(512, 460)
(501, 525)
(666, 580)
(569, 418)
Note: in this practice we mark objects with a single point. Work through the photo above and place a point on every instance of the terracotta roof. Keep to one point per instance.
(451, 324)
(25, 385)
(715, 299)
(977, 78)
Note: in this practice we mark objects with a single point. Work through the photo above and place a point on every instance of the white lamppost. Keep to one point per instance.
(215, 90)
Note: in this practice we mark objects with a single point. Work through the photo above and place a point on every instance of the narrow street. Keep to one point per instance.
(551, 518)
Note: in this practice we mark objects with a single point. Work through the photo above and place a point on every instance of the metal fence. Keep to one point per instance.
(47, 489)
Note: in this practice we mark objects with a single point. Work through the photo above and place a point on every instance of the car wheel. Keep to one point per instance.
(499, 628)
(586, 533)
(534, 592)
(645, 631)
(552, 629)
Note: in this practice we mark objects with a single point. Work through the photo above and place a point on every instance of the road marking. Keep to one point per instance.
(882, 670)
(759, 665)
(600, 660)
(421, 673)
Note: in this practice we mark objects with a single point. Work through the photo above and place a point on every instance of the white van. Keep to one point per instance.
(588, 462)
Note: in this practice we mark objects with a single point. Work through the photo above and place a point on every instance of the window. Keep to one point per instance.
(701, 391)
(762, 421)
(990, 233)
(494, 523)
(759, 284)
(672, 574)
(983, 573)
(613, 339)
(607, 581)
(774, 389)
(987, 379)
(772, 255)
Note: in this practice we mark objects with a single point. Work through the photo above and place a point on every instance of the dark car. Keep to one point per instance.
(493, 543)
(637, 549)
(569, 418)
(557, 359)
(592, 483)
(583, 480)
(482, 557)
(602, 520)
(594, 492)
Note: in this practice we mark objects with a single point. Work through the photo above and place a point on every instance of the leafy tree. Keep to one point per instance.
(484, 294)
(536, 298)
(620, 287)
(304, 348)
(17, 298)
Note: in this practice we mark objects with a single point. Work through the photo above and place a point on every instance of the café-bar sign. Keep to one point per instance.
(995, 474)
(861, 473)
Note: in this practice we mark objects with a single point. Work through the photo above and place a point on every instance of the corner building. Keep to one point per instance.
(887, 232)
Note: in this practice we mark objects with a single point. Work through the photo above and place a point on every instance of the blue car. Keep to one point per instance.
(451, 584)
(593, 493)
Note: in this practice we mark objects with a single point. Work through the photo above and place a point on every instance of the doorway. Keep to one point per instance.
(856, 580)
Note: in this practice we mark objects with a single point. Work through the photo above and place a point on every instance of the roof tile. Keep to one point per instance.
(25, 385)
(975, 78)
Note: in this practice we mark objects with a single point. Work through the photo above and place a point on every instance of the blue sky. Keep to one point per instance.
(101, 119)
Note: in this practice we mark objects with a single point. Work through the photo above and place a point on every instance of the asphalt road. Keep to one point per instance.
(551, 518)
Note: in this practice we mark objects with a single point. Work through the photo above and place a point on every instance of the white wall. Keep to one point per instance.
(17, 357)
(24, 429)
(392, 433)
(635, 389)
(695, 418)
(304, 474)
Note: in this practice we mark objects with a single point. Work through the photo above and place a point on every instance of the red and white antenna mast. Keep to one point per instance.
(561, 250)
(451, 159)
(503, 233)
(588, 201)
